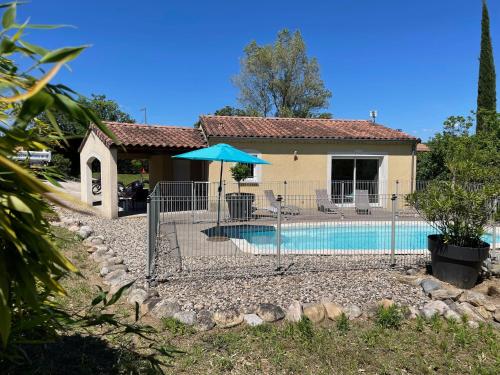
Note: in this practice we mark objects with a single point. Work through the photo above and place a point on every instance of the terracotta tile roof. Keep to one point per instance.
(298, 128)
(140, 135)
(421, 147)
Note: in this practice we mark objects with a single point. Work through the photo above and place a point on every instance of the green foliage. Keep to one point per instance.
(390, 317)
(61, 164)
(106, 109)
(281, 79)
(231, 111)
(486, 90)
(464, 170)
(342, 323)
(30, 263)
(239, 172)
(176, 327)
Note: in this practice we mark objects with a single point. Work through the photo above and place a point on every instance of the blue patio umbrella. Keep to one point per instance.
(221, 152)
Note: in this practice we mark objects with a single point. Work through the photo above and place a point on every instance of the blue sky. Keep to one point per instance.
(416, 62)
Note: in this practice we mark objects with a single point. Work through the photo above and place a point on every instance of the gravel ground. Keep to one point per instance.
(343, 285)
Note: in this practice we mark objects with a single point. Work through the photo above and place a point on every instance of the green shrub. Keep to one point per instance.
(176, 327)
(390, 317)
(342, 323)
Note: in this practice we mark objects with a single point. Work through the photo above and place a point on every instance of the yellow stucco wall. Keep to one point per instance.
(312, 164)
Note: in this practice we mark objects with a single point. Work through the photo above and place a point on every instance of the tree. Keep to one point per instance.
(105, 109)
(232, 111)
(239, 172)
(479, 154)
(280, 79)
(486, 90)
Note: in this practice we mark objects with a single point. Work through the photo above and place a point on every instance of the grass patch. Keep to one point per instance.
(390, 317)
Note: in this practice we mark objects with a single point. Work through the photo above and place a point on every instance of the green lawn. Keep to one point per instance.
(127, 178)
(415, 347)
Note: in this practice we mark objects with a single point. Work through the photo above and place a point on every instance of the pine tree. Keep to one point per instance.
(486, 93)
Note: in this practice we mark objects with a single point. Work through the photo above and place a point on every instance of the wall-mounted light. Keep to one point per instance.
(295, 155)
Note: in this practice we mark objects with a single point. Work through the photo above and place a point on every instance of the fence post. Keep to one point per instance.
(342, 193)
(192, 201)
(284, 189)
(279, 199)
(150, 242)
(393, 229)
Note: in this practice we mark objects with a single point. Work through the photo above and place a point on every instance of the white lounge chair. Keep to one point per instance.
(362, 203)
(274, 205)
(324, 203)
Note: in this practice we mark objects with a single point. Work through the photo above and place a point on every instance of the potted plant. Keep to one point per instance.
(240, 204)
(460, 213)
(461, 201)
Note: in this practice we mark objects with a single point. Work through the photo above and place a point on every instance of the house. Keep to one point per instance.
(305, 154)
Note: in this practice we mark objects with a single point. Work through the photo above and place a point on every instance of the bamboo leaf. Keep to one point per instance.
(62, 54)
(16, 204)
(9, 17)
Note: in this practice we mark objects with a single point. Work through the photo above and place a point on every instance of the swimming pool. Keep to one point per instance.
(335, 238)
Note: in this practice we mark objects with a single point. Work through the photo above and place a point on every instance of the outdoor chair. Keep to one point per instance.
(361, 202)
(324, 203)
(274, 205)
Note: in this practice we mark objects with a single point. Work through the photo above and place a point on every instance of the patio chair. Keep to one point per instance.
(274, 205)
(324, 203)
(361, 202)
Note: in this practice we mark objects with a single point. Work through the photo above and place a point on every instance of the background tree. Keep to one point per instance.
(280, 79)
(456, 142)
(106, 109)
(486, 92)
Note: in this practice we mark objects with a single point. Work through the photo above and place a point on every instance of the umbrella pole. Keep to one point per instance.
(218, 202)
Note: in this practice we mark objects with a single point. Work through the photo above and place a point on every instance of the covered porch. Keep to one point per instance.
(156, 144)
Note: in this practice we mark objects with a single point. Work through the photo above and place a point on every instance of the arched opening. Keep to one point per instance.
(96, 188)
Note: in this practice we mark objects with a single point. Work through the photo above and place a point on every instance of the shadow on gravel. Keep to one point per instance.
(78, 354)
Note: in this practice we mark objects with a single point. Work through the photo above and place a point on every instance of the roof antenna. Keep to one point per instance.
(145, 114)
(373, 115)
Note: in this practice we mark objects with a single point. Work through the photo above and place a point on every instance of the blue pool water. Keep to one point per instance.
(351, 236)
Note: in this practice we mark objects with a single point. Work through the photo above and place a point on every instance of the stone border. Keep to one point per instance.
(446, 301)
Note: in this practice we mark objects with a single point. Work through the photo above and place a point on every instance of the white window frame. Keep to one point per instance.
(257, 169)
(383, 170)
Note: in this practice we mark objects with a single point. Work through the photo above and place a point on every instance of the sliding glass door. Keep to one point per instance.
(354, 174)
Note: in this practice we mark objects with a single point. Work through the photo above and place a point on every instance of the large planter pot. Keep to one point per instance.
(457, 265)
(240, 205)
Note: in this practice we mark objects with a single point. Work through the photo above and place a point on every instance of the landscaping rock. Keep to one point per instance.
(333, 311)
(496, 315)
(228, 318)
(434, 307)
(186, 317)
(253, 320)
(314, 311)
(93, 241)
(120, 284)
(465, 308)
(294, 312)
(495, 269)
(352, 311)
(483, 312)
(385, 303)
(474, 298)
(204, 320)
(85, 231)
(428, 285)
(493, 291)
(439, 294)
(269, 312)
(473, 324)
(149, 304)
(451, 315)
(411, 312)
(138, 295)
(74, 228)
(114, 277)
(166, 309)
(111, 261)
(99, 255)
(411, 271)
(108, 269)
